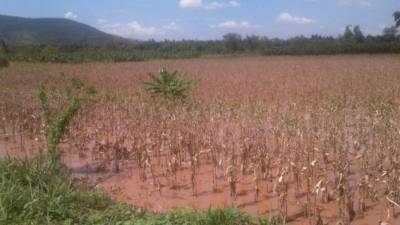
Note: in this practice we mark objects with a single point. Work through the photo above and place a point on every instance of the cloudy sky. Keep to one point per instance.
(210, 19)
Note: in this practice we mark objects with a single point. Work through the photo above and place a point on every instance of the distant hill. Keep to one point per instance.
(17, 31)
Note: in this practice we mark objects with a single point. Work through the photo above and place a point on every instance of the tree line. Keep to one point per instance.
(352, 41)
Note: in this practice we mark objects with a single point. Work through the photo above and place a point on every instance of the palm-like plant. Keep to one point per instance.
(170, 86)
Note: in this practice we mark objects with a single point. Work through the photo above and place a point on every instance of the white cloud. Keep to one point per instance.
(135, 29)
(221, 5)
(231, 24)
(131, 29)
(208, 6)
(190, 3)
(70, 15)
(288, 18)
(358, 2)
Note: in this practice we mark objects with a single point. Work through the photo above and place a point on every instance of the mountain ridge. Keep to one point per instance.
(19, 31)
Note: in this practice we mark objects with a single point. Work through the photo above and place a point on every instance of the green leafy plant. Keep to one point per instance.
(56, 123)
(169, 86)
(37, 192)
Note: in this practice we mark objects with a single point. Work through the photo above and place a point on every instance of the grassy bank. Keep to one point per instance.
(36, 192)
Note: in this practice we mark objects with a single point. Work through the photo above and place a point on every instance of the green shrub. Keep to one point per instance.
(169, 86)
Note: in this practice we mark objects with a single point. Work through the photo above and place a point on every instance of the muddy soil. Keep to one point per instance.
(160, 192)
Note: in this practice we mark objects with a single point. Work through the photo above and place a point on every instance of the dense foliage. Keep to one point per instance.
(353, 42)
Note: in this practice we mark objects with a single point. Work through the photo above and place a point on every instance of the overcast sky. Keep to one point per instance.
(210, 19)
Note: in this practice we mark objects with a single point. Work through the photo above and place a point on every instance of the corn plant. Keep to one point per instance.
(56, 123)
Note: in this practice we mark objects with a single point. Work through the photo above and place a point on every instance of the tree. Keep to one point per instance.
(389, 33)
(252, 42)
(359, 36)
(232, 42)
(396, 16)
(348, 33)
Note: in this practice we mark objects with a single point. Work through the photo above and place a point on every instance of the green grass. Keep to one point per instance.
(36, 192)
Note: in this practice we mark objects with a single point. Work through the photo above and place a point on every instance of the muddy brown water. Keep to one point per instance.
(158, 194)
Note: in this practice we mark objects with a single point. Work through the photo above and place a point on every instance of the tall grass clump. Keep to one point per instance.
(38, 192)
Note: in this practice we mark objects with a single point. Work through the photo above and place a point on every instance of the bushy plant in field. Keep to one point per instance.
(57, 122)
(169, 86)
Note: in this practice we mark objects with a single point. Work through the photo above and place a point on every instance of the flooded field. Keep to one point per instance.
(305, 138)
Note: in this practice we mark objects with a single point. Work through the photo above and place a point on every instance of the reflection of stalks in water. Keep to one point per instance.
(281, 188)
(257, 179)
(232, 182)
(319, 220)
(230, 173)
(346, 204)
(148, 163)
(193, 164)
(362, 190)
(217, 163)
(296, 177)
